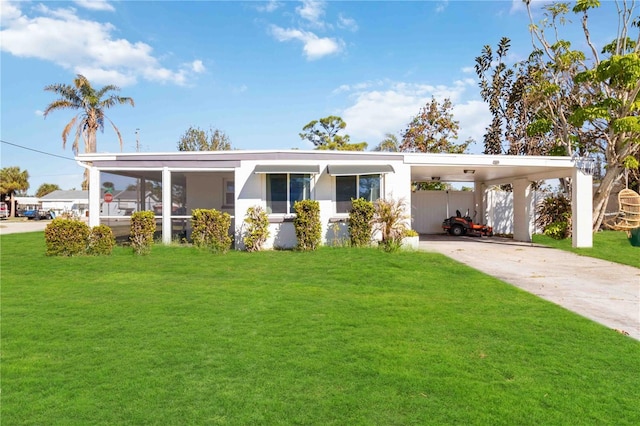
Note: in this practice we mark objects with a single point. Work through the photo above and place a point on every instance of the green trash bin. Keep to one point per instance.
(635, 237)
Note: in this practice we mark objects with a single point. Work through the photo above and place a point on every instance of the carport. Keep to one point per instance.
(486, 171)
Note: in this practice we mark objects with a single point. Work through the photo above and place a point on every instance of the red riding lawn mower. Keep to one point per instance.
(462, 225)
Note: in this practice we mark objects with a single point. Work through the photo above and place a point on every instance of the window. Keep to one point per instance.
(284, 189)
(229, 193)
(348, 187)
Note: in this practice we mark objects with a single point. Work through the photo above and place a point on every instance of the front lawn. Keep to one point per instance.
(338, 336)
(613, 246)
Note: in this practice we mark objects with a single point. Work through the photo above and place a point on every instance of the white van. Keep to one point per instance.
(4, 211)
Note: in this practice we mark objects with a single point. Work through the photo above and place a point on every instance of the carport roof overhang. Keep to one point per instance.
(487, 169)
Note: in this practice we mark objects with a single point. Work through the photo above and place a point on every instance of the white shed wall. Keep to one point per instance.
(429, 208)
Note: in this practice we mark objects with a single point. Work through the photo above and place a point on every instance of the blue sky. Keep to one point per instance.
(258, 70)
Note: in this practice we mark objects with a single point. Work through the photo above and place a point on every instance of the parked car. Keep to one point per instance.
(4, 211)
(36, 214)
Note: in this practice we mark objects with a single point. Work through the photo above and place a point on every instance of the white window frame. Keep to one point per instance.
(225, 193)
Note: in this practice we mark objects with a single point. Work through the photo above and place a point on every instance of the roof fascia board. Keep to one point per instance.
(472, 160)
(532, 177)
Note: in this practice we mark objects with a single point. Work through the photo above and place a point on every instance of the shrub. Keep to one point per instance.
(210, 228)
(554, 216)
(257, 228)
(66, 237)
(101, 240)
(391, 220)
(143, 226)
(360, 225)
(558, 230)
(307, 224)
(410, 233)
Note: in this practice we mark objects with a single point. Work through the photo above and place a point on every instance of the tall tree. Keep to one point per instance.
(12, 181)
(324, 135)
(46, 188)
(592, 103)
(433, 130)
(91, 104)
(196, 139)
(389, 144)
(504, 88)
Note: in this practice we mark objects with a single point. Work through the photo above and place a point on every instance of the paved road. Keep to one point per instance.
(603, 291)
(12, 227)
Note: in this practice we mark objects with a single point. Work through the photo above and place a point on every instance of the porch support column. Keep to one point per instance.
(142, 195)
(522, 210)
(479, 193)
(166, 206)
(94, 197)
(581, 209)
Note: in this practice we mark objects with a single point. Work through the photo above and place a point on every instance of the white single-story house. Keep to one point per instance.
(62, 201)
(233, 181)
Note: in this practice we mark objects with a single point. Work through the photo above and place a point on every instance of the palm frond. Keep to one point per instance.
(115, 129)
(67, 129)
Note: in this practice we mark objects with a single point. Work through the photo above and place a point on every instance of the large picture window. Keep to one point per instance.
(348, 187)
(284, 189)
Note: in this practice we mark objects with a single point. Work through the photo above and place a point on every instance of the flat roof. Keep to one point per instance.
(491, 169)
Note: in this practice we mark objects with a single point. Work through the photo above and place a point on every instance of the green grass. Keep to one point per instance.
(608, 245)
(339, 336)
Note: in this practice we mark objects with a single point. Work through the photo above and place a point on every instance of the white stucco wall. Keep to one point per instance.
(251, 191)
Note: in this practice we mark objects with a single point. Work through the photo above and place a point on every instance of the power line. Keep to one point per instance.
(35, 150)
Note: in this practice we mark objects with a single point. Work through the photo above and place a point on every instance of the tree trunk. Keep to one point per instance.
(601, 197)
(13, 205)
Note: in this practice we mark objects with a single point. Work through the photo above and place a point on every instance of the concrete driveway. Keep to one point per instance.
(602, 291)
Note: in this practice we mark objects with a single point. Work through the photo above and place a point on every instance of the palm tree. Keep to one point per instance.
(91, 104)
(389, 144)
(13, 180)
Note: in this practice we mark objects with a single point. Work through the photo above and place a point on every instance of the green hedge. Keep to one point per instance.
(210, 228)
(66, 237)
(143, 226)
(257, 230)
(360, 222)
(101, 241)
(307, 224)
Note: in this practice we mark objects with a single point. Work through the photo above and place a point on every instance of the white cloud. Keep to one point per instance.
(314, 47)
(39, 113)
(269, 6)
(474, 117)
(442, 5)
(85, 47)
(347, 23)
(95, 5)
(240, 89)
(8, 12)
(197, 66)
(358, 87)
(312, 11)
(519, 6)
(373, 113)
